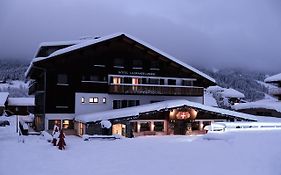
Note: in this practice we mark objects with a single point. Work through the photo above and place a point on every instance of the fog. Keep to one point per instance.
(210, 33)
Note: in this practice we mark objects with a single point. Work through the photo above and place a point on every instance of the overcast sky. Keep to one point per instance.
(214, 33)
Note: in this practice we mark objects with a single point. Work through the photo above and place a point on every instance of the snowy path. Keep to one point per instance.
(245, 153)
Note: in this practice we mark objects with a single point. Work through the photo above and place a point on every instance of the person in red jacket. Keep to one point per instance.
(61, 142)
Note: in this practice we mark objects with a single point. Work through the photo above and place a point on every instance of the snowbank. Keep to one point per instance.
(105, 124)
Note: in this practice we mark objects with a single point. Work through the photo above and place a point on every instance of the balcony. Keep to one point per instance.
(156, 90)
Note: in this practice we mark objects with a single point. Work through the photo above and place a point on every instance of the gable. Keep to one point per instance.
(135, 50)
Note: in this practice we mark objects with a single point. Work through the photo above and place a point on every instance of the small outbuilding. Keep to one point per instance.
(20, 106)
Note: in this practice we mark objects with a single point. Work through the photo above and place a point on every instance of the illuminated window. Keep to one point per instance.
(82, 100)
(104, 100)
(93, 100)
(135, 81)
(116, 80)
(68, 124)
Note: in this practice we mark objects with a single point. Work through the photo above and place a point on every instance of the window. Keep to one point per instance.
(116, 80)
(68, 124)
(145, 126)
(154, 65)
(104, 100)
(93, 78)
(117, 104)
(93, 100)
(153, 81)
(187, 83)
(137, 64)
(135, 81)
(172, 82)
(51, 124)
(159, 126)
(118, 63)
(83, 100)
(62, 79)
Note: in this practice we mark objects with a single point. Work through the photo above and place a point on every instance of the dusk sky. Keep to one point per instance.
(214, 33)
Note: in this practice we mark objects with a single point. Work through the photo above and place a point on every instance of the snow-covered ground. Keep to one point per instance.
(242, 153)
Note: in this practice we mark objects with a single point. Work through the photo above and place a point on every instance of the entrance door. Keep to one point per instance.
(180, 127)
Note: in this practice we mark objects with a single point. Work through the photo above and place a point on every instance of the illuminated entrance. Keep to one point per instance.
(182, 119)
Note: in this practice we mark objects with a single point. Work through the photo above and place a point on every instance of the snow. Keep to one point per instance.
(228, 93)
(3, 98)
(21, 101)
(14, 84)
(209, 100)
(256, 153)
(213, 89)
(232, 93)
(27, 118)
(105, 124)
(101, 39)
(164, 105)
(265, 104)
(273, 78)
(268, 86)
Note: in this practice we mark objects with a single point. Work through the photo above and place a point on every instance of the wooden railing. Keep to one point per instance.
(156, 90)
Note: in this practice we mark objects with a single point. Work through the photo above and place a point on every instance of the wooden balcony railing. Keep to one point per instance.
(156, 90)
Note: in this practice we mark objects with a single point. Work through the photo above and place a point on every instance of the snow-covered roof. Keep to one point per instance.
(232, 93)
(21, 101)
(169, 104)
(213, 89)
(264, 104)
(101, 39)
(3, 98)
(209, 100)
(60, 43)
(273, 78)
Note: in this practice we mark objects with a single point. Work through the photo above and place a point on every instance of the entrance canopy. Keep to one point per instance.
(164, 106)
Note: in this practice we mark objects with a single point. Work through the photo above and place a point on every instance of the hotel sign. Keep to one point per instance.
(136, 73)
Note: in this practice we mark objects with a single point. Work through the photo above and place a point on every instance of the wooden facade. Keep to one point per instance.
(56, 79)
